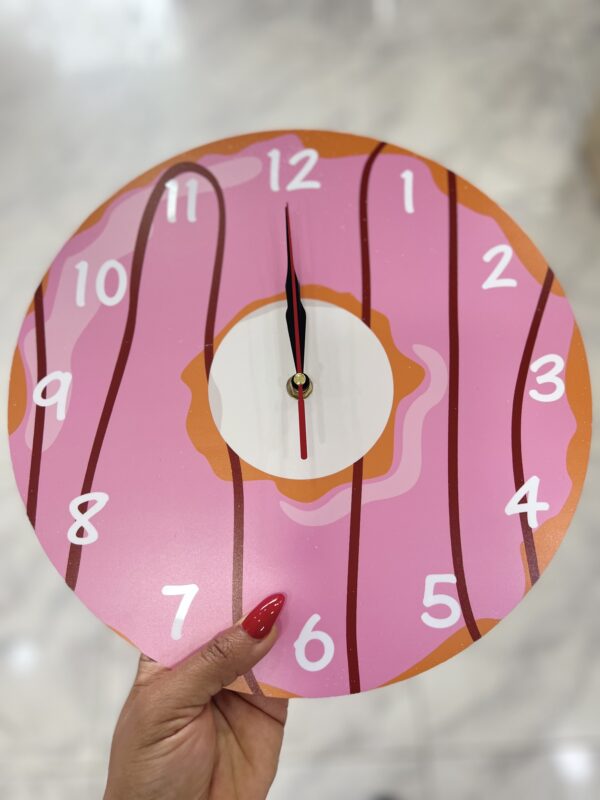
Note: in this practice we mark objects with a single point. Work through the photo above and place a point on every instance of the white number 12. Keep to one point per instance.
(299, 180)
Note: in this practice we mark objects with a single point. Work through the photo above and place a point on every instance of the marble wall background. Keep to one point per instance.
(92, 92)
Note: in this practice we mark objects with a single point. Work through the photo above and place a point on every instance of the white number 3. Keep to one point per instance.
(551, 376)
(430, 599)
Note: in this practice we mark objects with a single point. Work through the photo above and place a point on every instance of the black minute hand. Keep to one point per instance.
(295, 314)
(296, 324)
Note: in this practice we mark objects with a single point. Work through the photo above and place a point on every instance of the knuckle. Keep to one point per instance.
(220, 650)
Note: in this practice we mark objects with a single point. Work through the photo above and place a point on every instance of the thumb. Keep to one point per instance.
(220, 661)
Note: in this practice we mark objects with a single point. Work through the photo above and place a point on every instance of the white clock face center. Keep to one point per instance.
(346, 413)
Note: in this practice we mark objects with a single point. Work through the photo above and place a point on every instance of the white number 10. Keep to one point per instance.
(112, 265)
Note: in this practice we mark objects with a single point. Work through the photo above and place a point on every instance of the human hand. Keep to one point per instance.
(182, 736)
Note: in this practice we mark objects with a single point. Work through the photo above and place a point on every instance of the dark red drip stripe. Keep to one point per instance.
(357, 471)
(517, 417)
(139, 252)
(40, 411)
(453, 415)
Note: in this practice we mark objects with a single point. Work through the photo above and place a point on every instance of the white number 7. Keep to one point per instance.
(187, 591)
(432, 599)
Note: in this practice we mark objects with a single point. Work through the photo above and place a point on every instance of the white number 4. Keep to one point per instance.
(187, 591)
(532, 505)
(431, 599)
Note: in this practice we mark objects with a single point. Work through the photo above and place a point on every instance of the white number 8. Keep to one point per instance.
(430, 599)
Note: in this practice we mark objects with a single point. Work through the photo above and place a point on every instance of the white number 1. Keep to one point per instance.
(187, 591)
(408, 179)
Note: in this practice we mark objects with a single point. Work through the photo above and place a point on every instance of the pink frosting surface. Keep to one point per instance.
(169, 519)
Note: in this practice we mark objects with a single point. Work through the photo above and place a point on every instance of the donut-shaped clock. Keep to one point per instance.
(305, 362)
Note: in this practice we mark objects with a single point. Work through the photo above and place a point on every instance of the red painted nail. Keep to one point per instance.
(261, 619)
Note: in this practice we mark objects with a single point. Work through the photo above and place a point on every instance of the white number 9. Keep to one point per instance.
(430, 599)
(558, 364)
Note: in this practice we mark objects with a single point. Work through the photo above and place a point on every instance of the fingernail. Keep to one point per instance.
(261, 619)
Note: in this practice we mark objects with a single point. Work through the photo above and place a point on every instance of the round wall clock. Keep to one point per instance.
(306, 362)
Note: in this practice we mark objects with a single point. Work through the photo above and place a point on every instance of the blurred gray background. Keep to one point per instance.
(93, 92)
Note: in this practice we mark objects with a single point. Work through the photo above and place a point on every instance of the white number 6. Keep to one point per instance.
(308, 634)
(430, 598)
(551, 376)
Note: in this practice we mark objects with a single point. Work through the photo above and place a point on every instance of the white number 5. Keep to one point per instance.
(430, 599)
(551, 376)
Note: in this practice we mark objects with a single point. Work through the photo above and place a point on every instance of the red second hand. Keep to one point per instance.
(302, 423)
(301, 412)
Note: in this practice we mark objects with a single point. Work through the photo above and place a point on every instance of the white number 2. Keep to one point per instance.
(532, 505)
(187, 591)
(310, 158)
(494, 281)
(430, 598)
(551, 376)
(308, 634)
